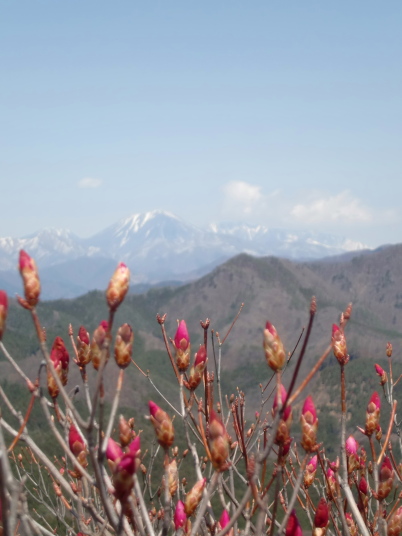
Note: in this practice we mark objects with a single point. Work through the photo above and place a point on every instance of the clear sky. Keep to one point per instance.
(285, 113)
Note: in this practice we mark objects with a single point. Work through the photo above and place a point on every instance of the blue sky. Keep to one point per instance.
(287, 114)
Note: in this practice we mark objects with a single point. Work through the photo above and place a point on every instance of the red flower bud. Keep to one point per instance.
(60, 359)
(293, 527)
(193, 497)
(373, 414)
(30, 278)
(309, 424)
(3, 312)
(98, 340)
(77, 447)
(339, 345)
(179, 517)
(273, 347)
(321, 517)
(197, 371)
(83, 347)
(363, 487)
(118, 286)
(123, 346)
(381, 373)
(162, 424)
(123, 476)
(386, 477)
(75, 440)
(218, 442)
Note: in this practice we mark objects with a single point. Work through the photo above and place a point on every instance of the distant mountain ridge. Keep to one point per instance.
(157, 246)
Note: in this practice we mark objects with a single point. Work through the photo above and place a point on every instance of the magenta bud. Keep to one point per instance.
(113, 451)
(3, 311)
(293, 527)
(224, 519)
(182, 338)
(180, 517)
(135, 445)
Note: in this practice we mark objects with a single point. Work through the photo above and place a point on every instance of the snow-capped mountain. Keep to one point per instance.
(158, 246)
(48, 247)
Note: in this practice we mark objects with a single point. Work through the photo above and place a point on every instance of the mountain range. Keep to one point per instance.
(158, 247)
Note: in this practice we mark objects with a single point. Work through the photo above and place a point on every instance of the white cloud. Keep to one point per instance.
(342, 208)
(89, 182)
(242, 197)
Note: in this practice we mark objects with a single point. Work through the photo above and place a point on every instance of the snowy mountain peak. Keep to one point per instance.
(135, 222)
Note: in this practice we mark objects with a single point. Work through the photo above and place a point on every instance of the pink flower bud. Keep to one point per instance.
(83, 347)
(113, 451)
(182, 346)
(118, 286)
(193, 497)
(309, 424)
(197, 371)
(339, 345)
(353, 459)
(3, 312)
(162, 424)
(386, 477)
(293, 527)
(351, 445)
(321, 517)
(331, 482)
(273, 347)
(373, 414)
(98, 340)
(309, 473)
(30, 278)
(123, 346)
(179, 517)
(381, 373)
(218, 442)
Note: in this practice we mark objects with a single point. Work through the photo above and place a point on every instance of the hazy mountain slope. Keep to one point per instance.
(270, 288)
